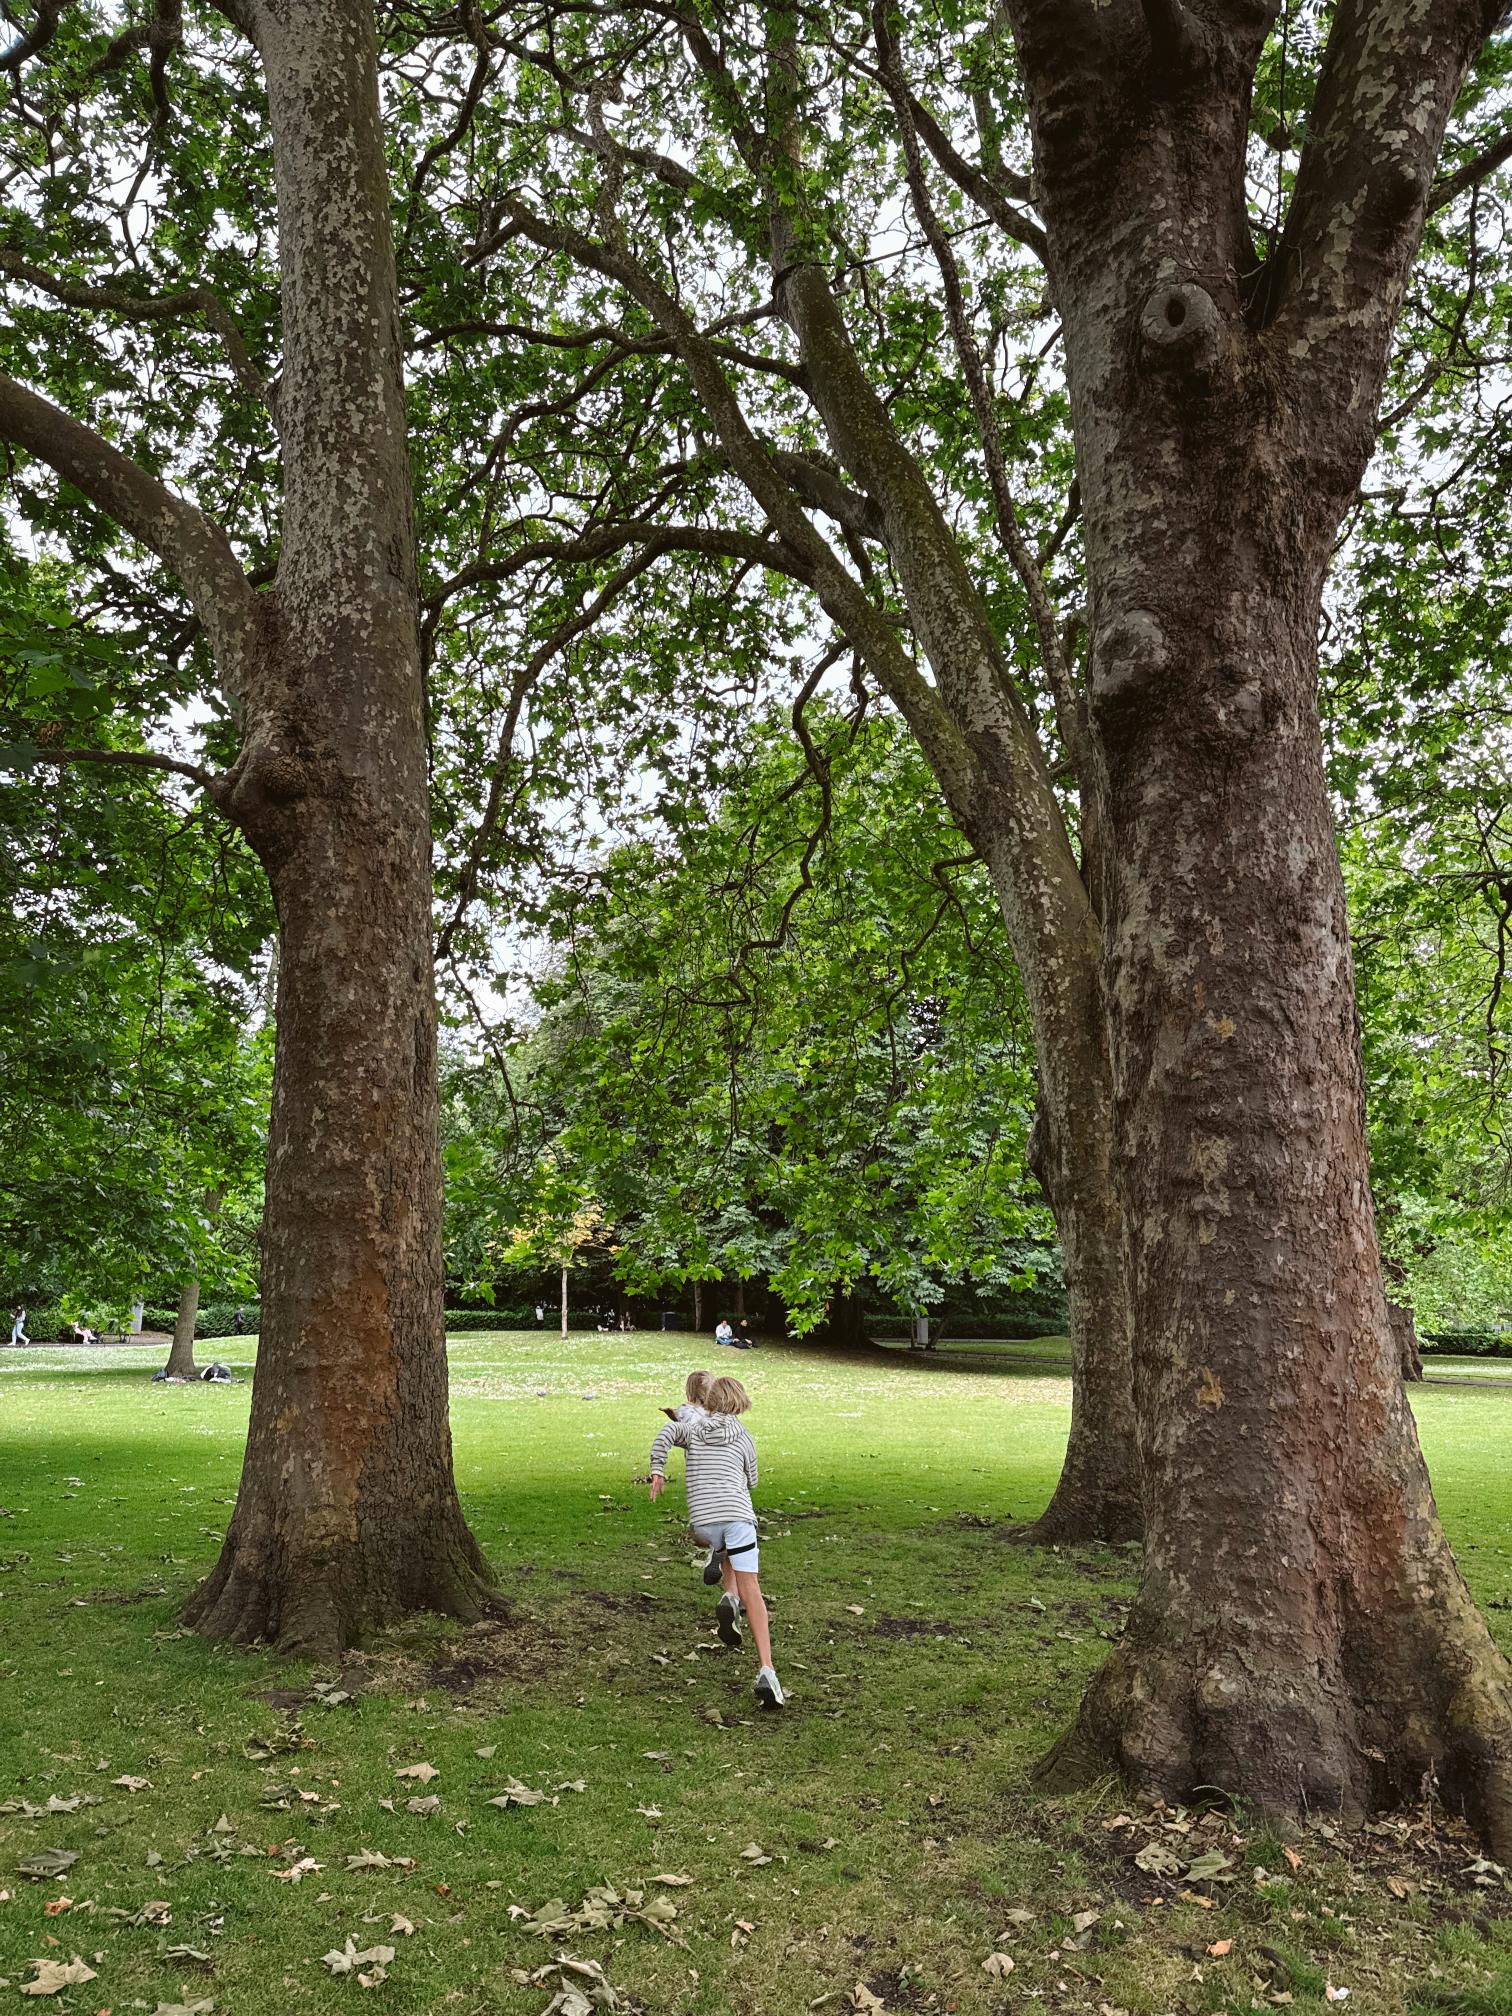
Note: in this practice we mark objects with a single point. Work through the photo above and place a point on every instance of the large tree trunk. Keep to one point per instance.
(181, 1352)
(564, 1301)
(697, 1305)
(1098, 1495)
(1302, 1634)
(1002, 798)
(1404, 1330)
(348, 1513)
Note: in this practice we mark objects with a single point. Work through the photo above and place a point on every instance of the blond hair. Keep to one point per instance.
(696, 1387)
(726, 1396)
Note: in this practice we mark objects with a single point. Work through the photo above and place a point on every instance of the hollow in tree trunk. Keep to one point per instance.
(181, 1353)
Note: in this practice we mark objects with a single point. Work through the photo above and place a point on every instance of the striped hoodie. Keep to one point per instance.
(721, 1472)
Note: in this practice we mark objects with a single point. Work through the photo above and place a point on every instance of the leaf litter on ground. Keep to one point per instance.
(603, 1909)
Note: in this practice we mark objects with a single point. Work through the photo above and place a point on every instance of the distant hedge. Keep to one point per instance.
(1468, 1343)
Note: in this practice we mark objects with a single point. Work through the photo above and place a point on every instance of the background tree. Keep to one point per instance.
(133, 933)
(782, 1046)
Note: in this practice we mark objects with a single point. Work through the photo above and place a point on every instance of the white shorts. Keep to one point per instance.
(734, 1542)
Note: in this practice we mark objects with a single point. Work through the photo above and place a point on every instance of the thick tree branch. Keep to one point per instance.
(31, 41)
(1474, 172)
(840, 594)
(1388, 82)
(1068, 701)
(184, 539)
(148, 308)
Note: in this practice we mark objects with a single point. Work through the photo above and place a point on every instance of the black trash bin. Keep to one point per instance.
(669, 1319)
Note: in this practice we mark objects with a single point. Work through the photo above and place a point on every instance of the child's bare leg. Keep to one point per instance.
(748, 1587)
(727, 1578)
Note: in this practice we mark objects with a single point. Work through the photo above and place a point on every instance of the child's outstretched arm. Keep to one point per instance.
(674, 1434)
(748, 1453)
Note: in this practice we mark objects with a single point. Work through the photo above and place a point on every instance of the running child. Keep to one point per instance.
(720, 1475)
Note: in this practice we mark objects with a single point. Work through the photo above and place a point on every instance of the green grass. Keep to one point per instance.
(929, 1662)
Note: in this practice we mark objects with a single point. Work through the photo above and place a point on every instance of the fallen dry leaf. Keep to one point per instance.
(297, 1871)
(348, 1960)
(516, 1794)
(1294, 1860)
(57, 1906)
(401, 1927)
(430, 1804)
(53, 1976)
(1219, 1947)
(998, 1965)
(133, 1784)
(424, 1772)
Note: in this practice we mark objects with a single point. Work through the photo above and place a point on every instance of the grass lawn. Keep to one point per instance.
(870, 1849)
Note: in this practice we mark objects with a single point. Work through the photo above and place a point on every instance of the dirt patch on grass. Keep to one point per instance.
(529, 1645)
(917, 1627)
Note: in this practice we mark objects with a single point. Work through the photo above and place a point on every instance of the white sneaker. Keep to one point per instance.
(768, 1689)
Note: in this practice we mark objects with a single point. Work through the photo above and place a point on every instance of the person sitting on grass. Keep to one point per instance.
(723, 1334)
(721, 1474)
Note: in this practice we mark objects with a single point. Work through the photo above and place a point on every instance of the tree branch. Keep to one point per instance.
(149, 308)
(840, 594)
(31, 41)
(719, 542)
(1474, 172)
(1363, 186)
(1068, 701)
(977, 184)
(209, 781)
(184, 539)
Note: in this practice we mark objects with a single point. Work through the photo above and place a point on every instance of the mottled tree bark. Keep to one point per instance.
(347, 1514)
(1302, 1634)
(181, 1352)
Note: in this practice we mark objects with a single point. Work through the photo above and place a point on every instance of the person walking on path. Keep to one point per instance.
(18, 1328)
(721, 1473)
